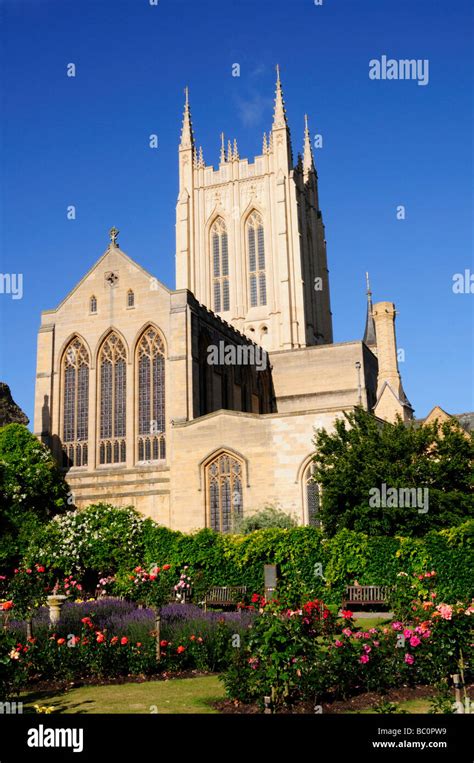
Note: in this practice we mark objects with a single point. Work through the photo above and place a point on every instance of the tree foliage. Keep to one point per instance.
(363, 454)
(265, 519)
(32, 490)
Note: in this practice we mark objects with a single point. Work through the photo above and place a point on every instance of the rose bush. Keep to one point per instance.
(290, 656)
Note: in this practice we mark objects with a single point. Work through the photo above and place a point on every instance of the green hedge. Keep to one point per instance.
(238, 560)
(214, 559)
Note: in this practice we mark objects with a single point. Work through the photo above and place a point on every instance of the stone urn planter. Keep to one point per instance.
(55, 602)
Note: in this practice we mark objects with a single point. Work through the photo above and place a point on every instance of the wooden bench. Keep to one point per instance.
(365, 594)
(224, 596)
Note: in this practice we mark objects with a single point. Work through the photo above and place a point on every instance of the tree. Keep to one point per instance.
(366, 468)
(32, 490)
(263, 520)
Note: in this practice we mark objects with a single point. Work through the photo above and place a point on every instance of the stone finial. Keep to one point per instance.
(229, 151)
(370, 338)
(113, 233)
(308, 162)
(235, 154)
(222, 157)
(187, 137)
(279, 113)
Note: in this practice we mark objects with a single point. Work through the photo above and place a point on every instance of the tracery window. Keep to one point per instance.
(256, 260)
(93, 305)
(220, 266)
(151, 443)
(112, 401)
(75, 384)
(130, 298)
(311, 496)
(224, 492)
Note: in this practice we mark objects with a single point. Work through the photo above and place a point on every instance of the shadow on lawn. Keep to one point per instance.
(48, 698)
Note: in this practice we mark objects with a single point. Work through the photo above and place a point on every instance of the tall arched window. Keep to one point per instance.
(256, 260)
(220, 266)
(151, 444)
(75, 372)
(224, 492)
(112, 401)
(311, 496)
(93, 305)
(130, 298)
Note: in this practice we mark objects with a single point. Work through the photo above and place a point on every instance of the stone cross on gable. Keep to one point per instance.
(113, 233)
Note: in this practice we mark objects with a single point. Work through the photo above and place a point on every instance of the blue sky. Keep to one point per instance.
(83, 141)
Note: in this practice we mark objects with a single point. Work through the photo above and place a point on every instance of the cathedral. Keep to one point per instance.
(198, 405)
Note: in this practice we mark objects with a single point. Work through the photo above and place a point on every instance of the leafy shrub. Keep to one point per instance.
(267, 518)
(32, 490)
(103, 541)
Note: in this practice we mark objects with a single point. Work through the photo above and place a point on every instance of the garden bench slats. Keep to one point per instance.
(224, 596)
(366, 594)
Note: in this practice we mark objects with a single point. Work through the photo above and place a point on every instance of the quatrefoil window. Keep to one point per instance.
(111, 278)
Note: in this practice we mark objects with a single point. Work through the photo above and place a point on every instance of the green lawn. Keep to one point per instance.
(181, 695)
(370, 622)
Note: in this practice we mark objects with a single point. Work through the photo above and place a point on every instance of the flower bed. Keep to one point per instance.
(107, 638)
(290, 656)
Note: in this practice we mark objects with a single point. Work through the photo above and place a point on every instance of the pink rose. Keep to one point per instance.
(409, 659)
(347, 632)
(364, 658)
(338, 643)
(415, 641)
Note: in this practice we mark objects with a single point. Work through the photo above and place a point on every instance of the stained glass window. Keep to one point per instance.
(75, 379)
(151, 444)
(220, 266)
(112, 404)
(312, 496)
(256, 260)
(224, 490)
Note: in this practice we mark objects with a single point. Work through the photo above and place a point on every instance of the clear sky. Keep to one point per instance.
(84, 141)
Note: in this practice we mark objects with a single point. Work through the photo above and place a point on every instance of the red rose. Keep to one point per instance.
(124, 640)
(139, 643)
(114, 639)
(100, 638)
(255, 598)
(181, 649)
(167, 566)
(7, 605)
(346, 614)
(164, 643)
(40, 568)
(61, 641)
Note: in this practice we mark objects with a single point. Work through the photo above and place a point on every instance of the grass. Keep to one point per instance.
(370, 622)
(410, 705)
(180, 695)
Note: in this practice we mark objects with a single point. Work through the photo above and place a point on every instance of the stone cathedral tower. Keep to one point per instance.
(250, 237)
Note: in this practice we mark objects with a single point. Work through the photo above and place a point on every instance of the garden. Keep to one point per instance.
(103, 610)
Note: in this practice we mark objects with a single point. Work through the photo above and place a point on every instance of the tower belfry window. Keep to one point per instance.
(220, 266)
(256, 261)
